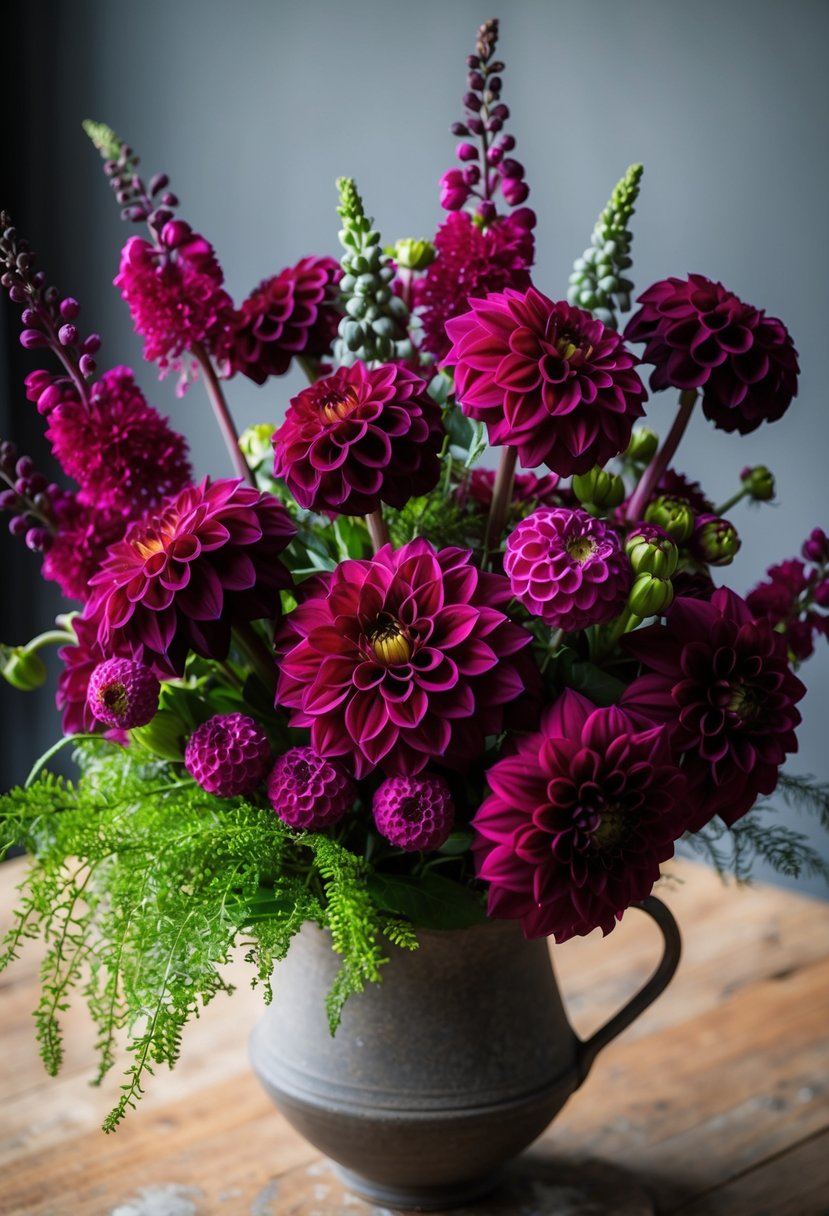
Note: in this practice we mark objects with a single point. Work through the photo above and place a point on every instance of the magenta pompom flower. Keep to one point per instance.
(721, 682)
(123, 693)
(700, 336)
(567, 568)
(179, 580)
(358, 438)
(229, 754)
(578, 820)
(80, 660)
(546, 378)
(414, 813)
(292, 313)
(402, 658)
(308, 791)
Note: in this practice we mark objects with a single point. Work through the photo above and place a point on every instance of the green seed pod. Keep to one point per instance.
(642, 446)
(23, 669)
(598, 488)
(650, 596)
(672, 515)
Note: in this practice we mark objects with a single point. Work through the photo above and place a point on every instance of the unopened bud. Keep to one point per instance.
(759, 483)
(651, 551)
(23, 669)
(715, 541)
(642, 446)
(673, 515)
(650, 596)
(598, 488)
(414, 254)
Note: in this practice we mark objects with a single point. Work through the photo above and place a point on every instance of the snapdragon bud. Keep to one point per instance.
(649, 595)
(598, 488)
(651, 551)
(673, 515)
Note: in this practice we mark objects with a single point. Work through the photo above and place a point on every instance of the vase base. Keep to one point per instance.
(535, 1184)
(417, 1199)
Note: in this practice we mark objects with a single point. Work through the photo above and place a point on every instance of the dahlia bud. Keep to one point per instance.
(414, 813)
(714, 541)
(758, 483)
(123, 693)
(308, 791)
(649, 595)
(411, 254)
(642, 446)
(673, 515)
(23, 669)
(598, 488)
(163, 736)
(651, 551)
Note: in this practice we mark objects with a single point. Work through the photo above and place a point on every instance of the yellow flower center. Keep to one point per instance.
(390, 642)
(611, 829)
(581, 548)
(744, 702)
(567, 348)
(338, 404)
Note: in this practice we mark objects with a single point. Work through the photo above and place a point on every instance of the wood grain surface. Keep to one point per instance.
(715, 1103)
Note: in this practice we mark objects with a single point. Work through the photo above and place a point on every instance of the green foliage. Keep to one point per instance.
(428, 900)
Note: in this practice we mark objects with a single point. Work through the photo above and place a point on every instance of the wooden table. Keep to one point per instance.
(716, 1100)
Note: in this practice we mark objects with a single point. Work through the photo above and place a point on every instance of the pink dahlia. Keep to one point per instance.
(79, 662)
(293, 313)
(308, 791)
(358, 438)
(228, 755)
(579, 819)
(527, 489)
(80, 545)
(119, 450)
(547, 379)
(472, 261)
(174, 293)
(123, 693)
(181, 578)
(404, 658)
(567, 568)
(700, 336)
(720, 681)
(414, 813)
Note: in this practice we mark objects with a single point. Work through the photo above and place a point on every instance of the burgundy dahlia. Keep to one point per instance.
(308, 791)
(292, 313)
(180, 579)
(567, 568)
(228, 755)
(546, 378)
(123, 693)
(720, 681)
(404, 658)
(358, 438)
(700, 336)
(579, 819)
(414, 813)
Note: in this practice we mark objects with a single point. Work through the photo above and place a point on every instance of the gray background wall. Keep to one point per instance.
(255, 107)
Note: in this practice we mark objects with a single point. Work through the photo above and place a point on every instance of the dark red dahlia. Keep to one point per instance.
(788, 598)
(180, 579)
(404, 659)
(700, 336)
(579, 819)
(414, 813)
(720, 681)
(293, 313)
(546, 378)
(358, 438)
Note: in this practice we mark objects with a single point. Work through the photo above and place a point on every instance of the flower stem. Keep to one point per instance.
(663, 457)
(501, 498)
(377, 529)
(220, 409)
(731, 502)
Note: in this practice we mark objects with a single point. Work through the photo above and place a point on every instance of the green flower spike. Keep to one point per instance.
(374, 328)
(598, 282)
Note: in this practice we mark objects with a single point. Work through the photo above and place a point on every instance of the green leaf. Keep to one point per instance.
(429, 901)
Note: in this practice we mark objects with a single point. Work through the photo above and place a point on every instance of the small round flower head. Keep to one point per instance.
(228, 755)
(700, 336)
(567, 568)
(308, 791)
(123, 693)
(414, 813)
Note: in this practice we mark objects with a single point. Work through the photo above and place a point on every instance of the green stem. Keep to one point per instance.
(59, 746)
(650, 477)
(626, 621)
(257, 653)
(731, 502)
(377, 530)
(223, 417)
(501, 498)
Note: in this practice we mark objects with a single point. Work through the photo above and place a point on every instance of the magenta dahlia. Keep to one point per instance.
(123, 693)
(527, 489)
(174, 293)
(579, 819)
(720, 680)
(308, 791)
(404, 658)
(700, 336)
(79, 662)
(180, 579)
(567, 568)
(358, 438)
(119, 450)
(546, 378)
(293, 313)
(228, 755)
(414, 813)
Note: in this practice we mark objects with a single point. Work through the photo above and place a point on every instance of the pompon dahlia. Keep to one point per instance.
(546, 378)
(308, 791)
(120, 451)
(180, 579)
(80, 545)
(293, 313)
(721, 682)
(472, 261)
(414, 813)
(228, 755)
(174, 293)
(123, 693)
(79, 662)
(698, 335)
(358, 438)
(567, 568)
(404, 658)
(578, 820)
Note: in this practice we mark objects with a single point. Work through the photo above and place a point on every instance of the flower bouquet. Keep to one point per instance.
(371, 682)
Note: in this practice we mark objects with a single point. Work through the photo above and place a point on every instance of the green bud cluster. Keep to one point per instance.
(598, 280)
(642, 447)
(374, 327)
(650, 595)
(411, 254)
(657, 557)
(758, 483)
(599, 489)
(672, 515)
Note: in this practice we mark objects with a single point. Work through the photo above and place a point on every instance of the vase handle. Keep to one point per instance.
(672, 948)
